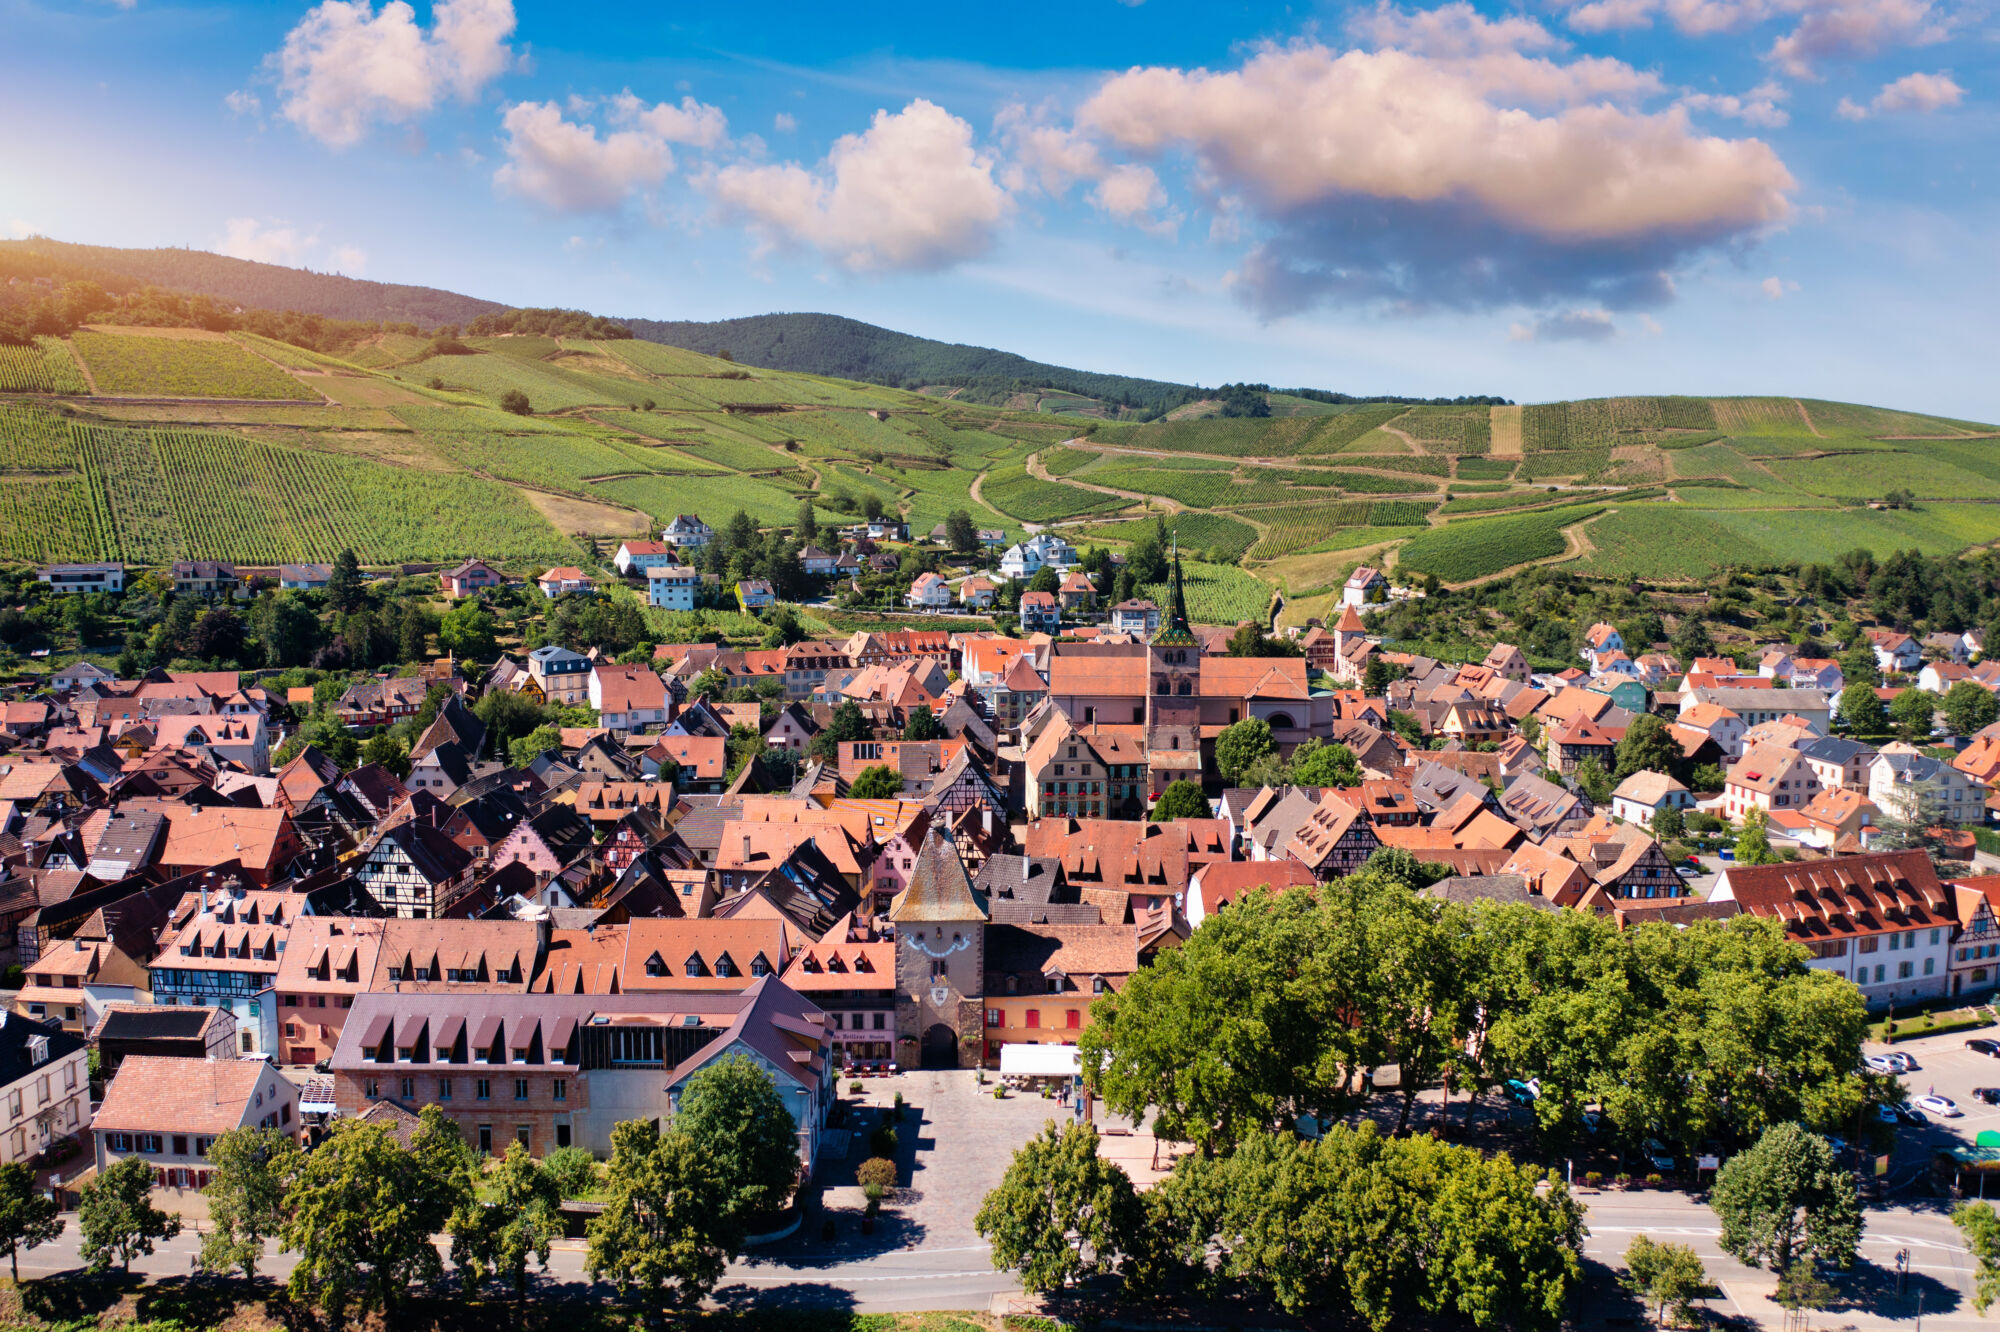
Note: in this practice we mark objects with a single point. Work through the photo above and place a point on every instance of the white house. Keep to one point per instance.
(687, 530)
(628, 698)
(929, 592)
(1365, 586)
(1882, 921)
(1938, 676)
(1027, 559)
(1136, 617)
(1644, 794)
(1910, 786)
(647, 555)
(1602, 638)
(1895, 651)
(83, 577)
(672, 588)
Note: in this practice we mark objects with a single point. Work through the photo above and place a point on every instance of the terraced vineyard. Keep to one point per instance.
(1674, 487)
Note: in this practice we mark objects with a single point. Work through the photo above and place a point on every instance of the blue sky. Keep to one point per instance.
(1567, 198)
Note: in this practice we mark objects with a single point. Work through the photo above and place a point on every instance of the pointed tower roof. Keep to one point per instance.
(939, 889)
(1175, 631)
(1349, 622)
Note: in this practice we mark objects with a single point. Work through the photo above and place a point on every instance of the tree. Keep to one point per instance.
(711, 683)
(1914, 713)
(662, 1230)
(286, 629)
(922, 724)
(808, 524)
(1315, 763)
(876, 782)
(515, 401)
(1753, 842)
(497, 1238)
(1667, 823)
(246, 1196)
(848, 723)
(1241, 745)
(469, 631)
(1182, 799)
(1062, 1212)
(1859, 665)
(117, 1219)
(1691, 639)
(1591, 778)
(871, 506)
(1980, 1225)
(732, 1113)
(1970, 708)
(1669, 1275)
(961, 531)
(1648, 746)
(361, 1213)
(1046, 579)
(1378, 675)
(1787, 1200)
(1800, 1287)
(29, 1218)
(387, 750)
(343, 585)
(522, 751)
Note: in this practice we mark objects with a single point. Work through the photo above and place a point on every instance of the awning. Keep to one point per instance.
(377, 1028)
(447, 1034)
(521, 1034)
(1023, 1060)
(408, 1030)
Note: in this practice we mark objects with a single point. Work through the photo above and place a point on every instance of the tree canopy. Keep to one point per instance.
(1787, 1199)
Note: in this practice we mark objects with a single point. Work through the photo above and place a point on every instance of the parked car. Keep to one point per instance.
(1942, 1106)
(1687, 871)
(1990, 1095)
(1908, 1114)
(1981, 1045)
(1879, 1064)
(1658, 1156)
(1901, 1062)
(1523, 1093)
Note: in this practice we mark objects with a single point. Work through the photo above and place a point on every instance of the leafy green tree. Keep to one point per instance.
(117, 1219)
(1970, 708)
(1378, 675)
(1394, 863)
(1591, 778)
(664, 1230)
(961, 531)
(1753, 842)
(573, 1170)
(1913, 711)
(29, 1218)
(253, 1167)
(711, 683)
(1181, 799)
(521, 752)
(361, 1212)
(1980, 1225)
(497, 1238)
(343, 585)
(733, 1114)
(1315, 763)
(871, 506)
(515, 401)
(1858, 665)
(1800, 1287)
(1691, 639)
(1046, 579)
(1062, 1212)
(1668, 823)
(922, 724)
(848, 723)
(876, 782)
(387, 750)
(1241, 745)
(1787, 1200)
(1648, 746)
(1670, 1276)
(808, 523)
(508, 717)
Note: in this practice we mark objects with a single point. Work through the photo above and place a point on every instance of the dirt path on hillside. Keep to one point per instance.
(1807, 417)
(1315, 460)
(1041, 473)
(1504, 425)
(974, 490)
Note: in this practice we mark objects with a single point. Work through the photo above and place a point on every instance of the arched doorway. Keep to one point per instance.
(940, 1046)
(1280, 721)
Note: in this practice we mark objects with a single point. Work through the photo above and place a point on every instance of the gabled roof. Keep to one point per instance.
(938, 887)
(207, 1096)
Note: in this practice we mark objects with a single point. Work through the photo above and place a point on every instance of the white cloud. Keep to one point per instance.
(1489, 54)
(1777, 288)
(1569, 326)
(265, 242)
(692, 123)
(565, 166)
(1757, 107)
(784, 122)
(241, 103)
(347, 66)
(1455, 30)
(1923, 93)
(909, 193)
(20, 230)
(1824, 29)
(350, 259)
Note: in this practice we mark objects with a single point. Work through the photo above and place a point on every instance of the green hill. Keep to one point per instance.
(242, 282)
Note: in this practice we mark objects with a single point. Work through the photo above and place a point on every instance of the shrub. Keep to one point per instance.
(1655, 1179)
(899, 1103)
(882, 1141)
(877, 1173)
(999, 1093)
(572, 1170)
(854, 1087)
(1593, 1178)
(515, 401)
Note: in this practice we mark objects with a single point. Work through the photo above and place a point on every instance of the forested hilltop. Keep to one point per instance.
(242, 282)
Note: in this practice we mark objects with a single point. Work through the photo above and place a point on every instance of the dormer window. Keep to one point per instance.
(693, 965)
(759, 967)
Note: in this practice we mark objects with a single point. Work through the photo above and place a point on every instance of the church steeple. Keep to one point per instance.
(1175, 632)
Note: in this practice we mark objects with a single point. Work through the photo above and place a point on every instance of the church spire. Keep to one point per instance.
(1175, 632)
